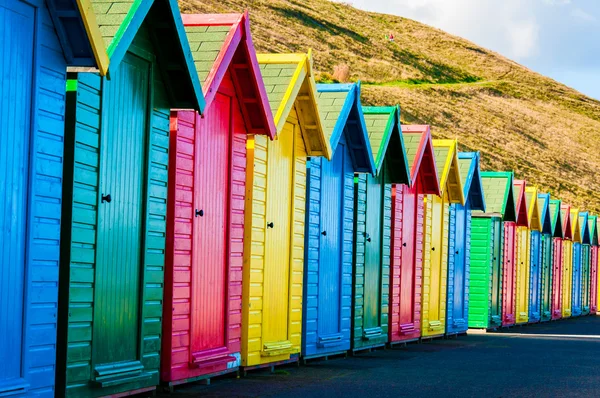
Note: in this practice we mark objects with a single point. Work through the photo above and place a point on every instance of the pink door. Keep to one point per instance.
(508, 274)
(557, 262)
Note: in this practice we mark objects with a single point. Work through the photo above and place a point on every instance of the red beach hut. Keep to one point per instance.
(593, 225)
(205, 216)
(560, 216)
(407, 235)
(509, 269)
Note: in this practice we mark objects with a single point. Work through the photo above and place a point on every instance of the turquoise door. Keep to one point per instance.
(546, 284)
(116, 342)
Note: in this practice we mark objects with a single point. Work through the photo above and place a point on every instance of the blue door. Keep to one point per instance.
(458, 323)
(535, 277)
(16, 69)
(329, 333)
(576, 292)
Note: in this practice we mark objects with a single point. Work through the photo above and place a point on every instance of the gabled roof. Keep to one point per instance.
(76, 37)
(341, 114)
(446, 163)
(593, 225)
(575, 226)
(521, 203)
(385, 136)
(119, 21)
(290, 84)
(498, 192)
(534, 209)
(556, 214)
(470, 175)
(222, 43)
(565, 212)
(585, 228)
(545, 216)
(421, 159)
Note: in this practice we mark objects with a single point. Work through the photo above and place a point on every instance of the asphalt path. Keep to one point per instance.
(557, 359)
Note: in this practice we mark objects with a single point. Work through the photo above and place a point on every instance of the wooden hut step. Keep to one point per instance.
(371, 333)
(277, 348)
(330, 341)
(120, 373)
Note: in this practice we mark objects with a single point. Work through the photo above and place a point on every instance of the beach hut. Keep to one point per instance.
(115, 199)
(38, 41)
(408, 205)
(373, 227)
(559, 218)
(584, 279)
(512, 254)
(522, 256)
(533, 260)
(207, 164)
(326, 313)
(487, 247)
(274, 214)
(459, 243)
(544, 306)
(572, 281)
(566, 287)
(437, 237)
(593, 224)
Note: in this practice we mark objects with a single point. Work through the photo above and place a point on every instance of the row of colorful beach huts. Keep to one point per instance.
(175, 207)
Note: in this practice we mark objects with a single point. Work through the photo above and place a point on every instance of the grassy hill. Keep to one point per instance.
(549, 134)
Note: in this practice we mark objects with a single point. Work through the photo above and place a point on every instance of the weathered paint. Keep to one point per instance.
(558, 222)
(576, 267)
(37, 44)
(275, 212)
(115, 195)
(457, 314)
(593, 225)
(372, 231)
(584, 278)
(326, 313)
(436, 238)
(511, 255)
(205, 210)
(408, 205)
(487, 249)
(544, 294)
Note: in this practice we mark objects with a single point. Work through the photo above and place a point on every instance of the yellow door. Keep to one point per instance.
(523, 248)
(567, 278)
(279, 200)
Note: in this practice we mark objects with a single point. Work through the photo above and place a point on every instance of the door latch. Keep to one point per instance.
(106, 198)
(366, 235)
(270, 225)
(324, 233)
(199, 213)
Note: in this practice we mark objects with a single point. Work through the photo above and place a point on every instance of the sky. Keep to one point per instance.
(557, 38)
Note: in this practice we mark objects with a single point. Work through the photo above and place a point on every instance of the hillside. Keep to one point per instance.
(546, 132)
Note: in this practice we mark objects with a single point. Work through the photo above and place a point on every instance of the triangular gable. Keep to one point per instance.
(290, 84)
(544, 205)
(446, 163)
(575, 226)
(521, 203)
(222, 43)
(565, 212)
(119, 21)
(593, 226)
(533, 206)
(557, 219)
(585, 228)
(470, 174)
(498, 193)
(420, 157)
(385, 137)
(341, 114)
(76, 35)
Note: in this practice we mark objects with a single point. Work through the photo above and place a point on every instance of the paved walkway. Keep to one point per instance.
(547, 360)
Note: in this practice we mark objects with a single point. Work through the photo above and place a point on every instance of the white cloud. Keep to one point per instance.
(580, 14)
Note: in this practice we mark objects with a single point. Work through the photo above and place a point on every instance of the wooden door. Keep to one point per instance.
(557, 272)
(411, 242)
(546, 283)
(16, 82)
(535, 274)
(509, 274)
(497, 249)
(522, 282)
(460, 259)
(117, 301)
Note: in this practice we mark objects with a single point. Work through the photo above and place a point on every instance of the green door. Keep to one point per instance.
(373, 256)
(480, 263)
(116, 325)
(497, 245)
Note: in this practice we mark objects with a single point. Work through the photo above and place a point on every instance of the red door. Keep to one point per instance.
(557, 262)
(509, 274)
(211, 202)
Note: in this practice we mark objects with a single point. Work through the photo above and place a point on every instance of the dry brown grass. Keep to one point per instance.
(548, 133)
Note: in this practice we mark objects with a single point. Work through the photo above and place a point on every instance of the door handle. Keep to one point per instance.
(367, 236)
(324, 233)
(457, 251)
(199, 213)
(106, 198)
(404, 244)
(433, 249)
(270, 224)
